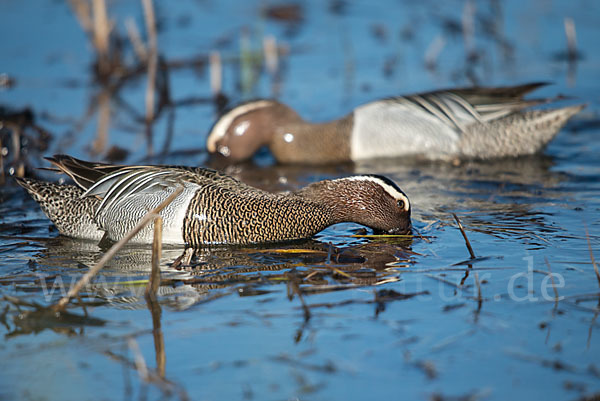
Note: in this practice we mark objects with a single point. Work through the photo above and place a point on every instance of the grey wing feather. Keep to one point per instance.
(126, 186)
(102, 186)
(121, 185)
(458, 108)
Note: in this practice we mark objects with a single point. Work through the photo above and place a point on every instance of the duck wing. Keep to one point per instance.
(121, 186)
(460, 107)
(128, 187)
(84, 173)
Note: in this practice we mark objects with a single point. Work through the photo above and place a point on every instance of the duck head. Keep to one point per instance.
(241, 131)
(371, 200)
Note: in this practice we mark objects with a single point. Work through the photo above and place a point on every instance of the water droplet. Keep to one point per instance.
(288, 137)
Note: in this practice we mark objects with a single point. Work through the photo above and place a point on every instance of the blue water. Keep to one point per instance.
(230, 331)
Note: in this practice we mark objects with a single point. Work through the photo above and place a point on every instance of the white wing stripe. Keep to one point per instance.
(127, 183)
(440, 103)
(116, 191)
(427, 106)
(136, 182)
(465, 105)
(93, 190)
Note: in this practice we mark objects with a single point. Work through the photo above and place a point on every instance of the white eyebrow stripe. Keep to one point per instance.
(220, 128)
(393, 192)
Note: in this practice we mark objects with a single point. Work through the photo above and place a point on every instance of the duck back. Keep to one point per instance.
(390, 128)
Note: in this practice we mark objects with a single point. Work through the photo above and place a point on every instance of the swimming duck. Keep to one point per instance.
(213, 208)
(468, 123)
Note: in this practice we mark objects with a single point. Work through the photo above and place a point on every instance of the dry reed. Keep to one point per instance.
(464, 234)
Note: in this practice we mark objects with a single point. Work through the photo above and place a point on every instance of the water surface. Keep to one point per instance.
(337, 316)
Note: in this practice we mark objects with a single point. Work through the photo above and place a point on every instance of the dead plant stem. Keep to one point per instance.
(552, 281)
(479, 297)
(587, 236)
(154, 281)
(152, 66)
(464, 234)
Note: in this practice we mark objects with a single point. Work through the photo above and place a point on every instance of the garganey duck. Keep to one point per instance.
(467, 123)
(213, 208)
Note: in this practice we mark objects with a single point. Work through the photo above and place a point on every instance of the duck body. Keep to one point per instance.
(468, 123)
(213, 208)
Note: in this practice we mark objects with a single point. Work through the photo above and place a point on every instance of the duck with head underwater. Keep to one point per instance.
(466, 123)
(213, 208)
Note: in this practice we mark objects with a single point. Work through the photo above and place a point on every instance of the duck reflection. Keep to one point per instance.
(245, 270)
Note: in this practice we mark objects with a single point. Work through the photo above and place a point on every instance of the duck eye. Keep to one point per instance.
(400, 204)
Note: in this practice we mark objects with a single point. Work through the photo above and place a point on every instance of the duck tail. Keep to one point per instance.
(84, 173)
(63, 205)
(40, 191)
(522, 133)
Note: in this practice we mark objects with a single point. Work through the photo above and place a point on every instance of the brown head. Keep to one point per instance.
(371, 200)
(241, 131)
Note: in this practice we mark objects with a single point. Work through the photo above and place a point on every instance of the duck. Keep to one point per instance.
(106, 201)
(451, 124)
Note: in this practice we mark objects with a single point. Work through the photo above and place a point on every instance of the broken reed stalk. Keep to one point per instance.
(16, 141)
(293, 288)
(587, 236)
(246, 62)
(101, 34)
(86, 278)
(153, 305)
(464, 234)
(154, 280)
(159, 340)
(140, 362)
(152, 66)
(270, 51)
(443, 280)
(468, 26)
(2, 177)
(101, 140)
(165, 385)
(479, 297)
(552, 281)
(305, 307)
(151, 298)
(589, 339)
(136, 39)
(82, 11)
(433, 51)
(216, 73)
(571, 35)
